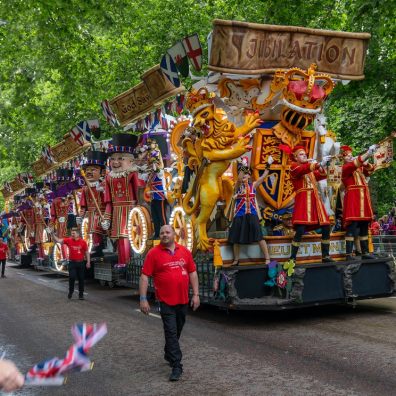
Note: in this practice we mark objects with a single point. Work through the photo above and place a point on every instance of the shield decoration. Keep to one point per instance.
(277, 189)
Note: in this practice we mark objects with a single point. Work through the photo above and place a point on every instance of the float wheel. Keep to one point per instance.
(85, 235)
(139, 228)
(183, 227)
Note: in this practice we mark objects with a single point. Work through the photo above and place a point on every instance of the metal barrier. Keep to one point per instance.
(384, 244)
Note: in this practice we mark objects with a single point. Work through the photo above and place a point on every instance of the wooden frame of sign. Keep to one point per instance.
(251, 48)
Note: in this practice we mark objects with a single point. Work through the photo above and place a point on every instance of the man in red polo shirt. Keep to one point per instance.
(3, 256)
(173, 269)
(78, 250)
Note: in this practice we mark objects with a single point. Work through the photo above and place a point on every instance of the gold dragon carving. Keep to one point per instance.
(210, 154)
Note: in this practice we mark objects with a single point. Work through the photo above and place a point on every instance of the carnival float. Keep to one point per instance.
(242, 166)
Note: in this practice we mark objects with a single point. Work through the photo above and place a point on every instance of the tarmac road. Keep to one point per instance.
(322, 351)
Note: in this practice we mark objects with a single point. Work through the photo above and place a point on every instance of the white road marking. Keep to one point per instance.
(150, 314)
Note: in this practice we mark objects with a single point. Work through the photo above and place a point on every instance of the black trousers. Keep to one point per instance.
(159, 214)
(76, 271)
(357, 228)
(3, 264)
(173, 318)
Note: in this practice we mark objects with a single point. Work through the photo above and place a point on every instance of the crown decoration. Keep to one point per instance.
(198, 100)
(305, 91)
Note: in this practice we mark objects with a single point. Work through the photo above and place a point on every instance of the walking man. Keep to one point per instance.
(78, 250)
(3, 256)
(173, 269)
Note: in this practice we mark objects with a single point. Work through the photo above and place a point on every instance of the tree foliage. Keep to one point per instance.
(60, 58)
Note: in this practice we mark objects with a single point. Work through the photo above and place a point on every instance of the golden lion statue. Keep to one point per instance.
(210, 155)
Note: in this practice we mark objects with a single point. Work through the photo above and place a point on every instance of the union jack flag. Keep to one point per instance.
(245, 201)
(7, 186)
(109, 114)
(25, 177)
(53, 371)
(47, 154)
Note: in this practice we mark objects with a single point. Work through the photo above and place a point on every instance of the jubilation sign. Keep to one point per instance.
(250, 48)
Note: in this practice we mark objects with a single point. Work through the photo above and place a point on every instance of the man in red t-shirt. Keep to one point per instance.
(3, 256)
(173, 269)
(78, 250)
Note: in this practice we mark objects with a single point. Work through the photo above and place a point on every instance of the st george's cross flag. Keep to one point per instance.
(179, 56)
(193, 49)
(77, 135)
(169, 68)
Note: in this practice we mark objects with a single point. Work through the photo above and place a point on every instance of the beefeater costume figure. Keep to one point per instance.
(121, 192)
(94, 166)
(39, 220)
(357, 211)
(27, 217)
(60, 208)
(309, 212)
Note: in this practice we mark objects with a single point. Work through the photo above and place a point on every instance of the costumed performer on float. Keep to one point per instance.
(60, 207)
(121, 192)
(245, 227)
(39, 220)
(156, 186)
(27, 216)
(357, 212)
(309, 212)
(92, 198)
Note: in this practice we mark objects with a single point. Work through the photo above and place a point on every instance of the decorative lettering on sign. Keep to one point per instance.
(312, 51)
(251, 48)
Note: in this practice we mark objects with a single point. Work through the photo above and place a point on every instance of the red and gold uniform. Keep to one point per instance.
(15, 237)
(309, 211)
(59, 212)
(357, 202)
(39, 227)
(27, 218)
(308, 207)
(121, 192)
(88, 205)
(120, 197)
(358, 212)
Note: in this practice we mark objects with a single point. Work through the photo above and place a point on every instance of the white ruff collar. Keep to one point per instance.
(119, 175)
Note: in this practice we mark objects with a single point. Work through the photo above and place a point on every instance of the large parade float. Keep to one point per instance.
(201, 160)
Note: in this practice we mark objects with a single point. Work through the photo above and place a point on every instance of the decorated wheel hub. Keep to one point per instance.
(139, 229)
(58, 257)
(85, 235)
(183, 227)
